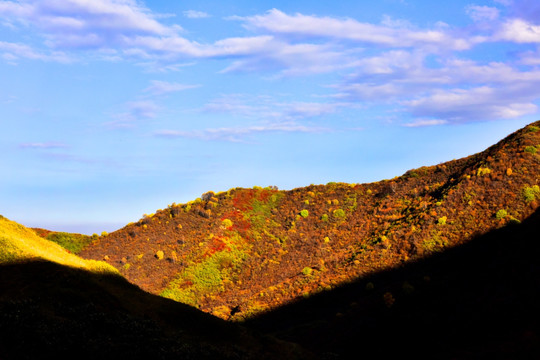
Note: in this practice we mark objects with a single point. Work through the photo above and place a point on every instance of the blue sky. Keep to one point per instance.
(115, 108)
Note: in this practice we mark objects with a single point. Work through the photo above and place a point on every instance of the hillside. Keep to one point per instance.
(478, 300)
(245, 251)
(19, 244)
(55, 304)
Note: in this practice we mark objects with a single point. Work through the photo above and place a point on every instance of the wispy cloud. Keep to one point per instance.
(16, 51)
(238, 134)
(482, 13)
(388, 34)
(425, 122)
(463, 105)
(372, 63)
(519, 31)
(43, 145)
(136, 111)
(158, 87)
(146, 106)
(272, 108)
(194, 14)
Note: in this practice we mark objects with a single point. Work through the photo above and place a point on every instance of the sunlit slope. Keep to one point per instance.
(20, 244)
(245, 251)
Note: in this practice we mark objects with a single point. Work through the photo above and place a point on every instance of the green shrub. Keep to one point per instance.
(435, 243)
(339, 214)
(307, 271)
(531, 193)
(483, 171)
(104, 233)
(501, 214)
(442, 220)
(226, 223)
(531, 149)
(533, 128)
(324, 217)
(304, 213)
(72, 242)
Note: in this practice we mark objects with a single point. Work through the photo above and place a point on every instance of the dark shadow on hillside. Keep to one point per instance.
(478, 300)
(52, 311)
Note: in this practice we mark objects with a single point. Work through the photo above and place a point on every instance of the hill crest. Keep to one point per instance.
(244, 251)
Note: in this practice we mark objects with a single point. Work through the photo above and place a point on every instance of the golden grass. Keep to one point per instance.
(18, 243)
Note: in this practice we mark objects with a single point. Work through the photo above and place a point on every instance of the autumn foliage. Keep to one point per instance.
(244, 251)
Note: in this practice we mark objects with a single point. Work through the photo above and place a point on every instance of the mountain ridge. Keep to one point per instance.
(241, 252)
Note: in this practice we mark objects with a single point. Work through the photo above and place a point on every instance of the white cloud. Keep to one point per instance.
(425, 122)
(15, 51)
(482, 13)
(272, 109)
(531, 58)
(456, 90)
(136, 111)
(520, 31)
(43, 145)
(390, 33)
(193, 14)
(71, 23)
(237, 134)
(468, 105)
(163, 87)
(143, 109)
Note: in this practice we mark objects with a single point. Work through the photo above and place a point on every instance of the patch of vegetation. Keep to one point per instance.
(18, 243)
(227, 223)
(483, 171)
(339, 214)
(435, 243)
(304, 213)
(501, 214)
(210, 275)
(72, 242)
(531, 149)
(531, 193)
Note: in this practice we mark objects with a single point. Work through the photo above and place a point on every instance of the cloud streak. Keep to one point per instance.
(422, 71)
(277, 22)
(238, 134)
(163, 87)
(194, 14)
(43, 145)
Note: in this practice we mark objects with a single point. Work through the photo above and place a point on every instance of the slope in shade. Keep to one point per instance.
(476, 300)
(53, 304)
(245, 251)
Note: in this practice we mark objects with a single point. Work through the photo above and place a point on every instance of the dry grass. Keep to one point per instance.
(19, 244)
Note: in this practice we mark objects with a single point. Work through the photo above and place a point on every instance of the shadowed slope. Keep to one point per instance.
(47, 309)
(477, 300)
(53, 303)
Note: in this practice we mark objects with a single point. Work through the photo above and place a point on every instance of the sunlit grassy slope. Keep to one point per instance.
(19, 244)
